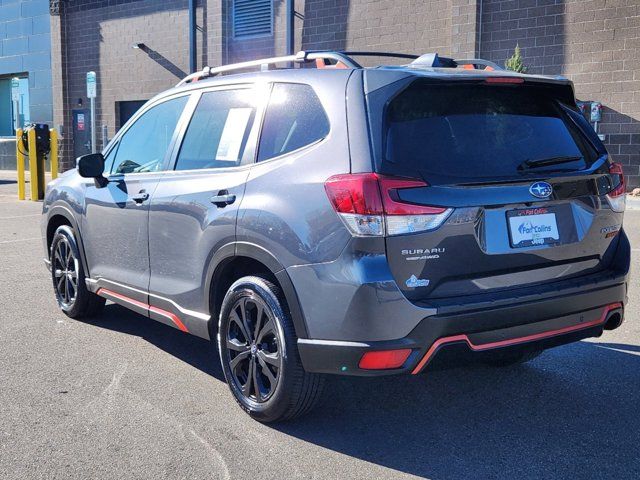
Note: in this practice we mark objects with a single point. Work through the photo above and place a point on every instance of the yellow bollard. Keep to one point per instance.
(53, 155)
(33, 165)
(20, 164)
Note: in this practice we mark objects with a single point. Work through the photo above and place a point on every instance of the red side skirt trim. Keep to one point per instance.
(171, 316)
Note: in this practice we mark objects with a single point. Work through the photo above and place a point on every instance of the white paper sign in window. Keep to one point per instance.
(233, 134)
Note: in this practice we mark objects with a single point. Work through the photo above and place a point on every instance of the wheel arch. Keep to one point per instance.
(237, 259)
(60, 215)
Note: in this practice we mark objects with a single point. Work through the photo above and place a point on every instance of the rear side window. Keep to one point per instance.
(478, 132)
(294, 119)
(218, 131)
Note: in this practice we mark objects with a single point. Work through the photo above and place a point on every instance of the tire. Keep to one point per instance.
(280, 389)
(68, 277)
(508, 359)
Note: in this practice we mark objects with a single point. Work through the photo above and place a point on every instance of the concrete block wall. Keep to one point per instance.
(99, 37)
(7, 154)
(25, 47)
(401, 26)
(596, 43)
(242, 49)
(593, 42)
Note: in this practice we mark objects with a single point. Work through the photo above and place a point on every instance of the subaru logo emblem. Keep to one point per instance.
(541, 190)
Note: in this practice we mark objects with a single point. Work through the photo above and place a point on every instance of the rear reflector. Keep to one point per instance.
(617, 197)
(384, 359)
(369, 204)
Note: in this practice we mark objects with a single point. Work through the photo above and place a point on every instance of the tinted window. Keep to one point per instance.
(144, 145)
(218, 132)
(478, 131)
(294, 118)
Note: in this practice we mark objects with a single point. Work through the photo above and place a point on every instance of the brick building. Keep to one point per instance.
(596, 43)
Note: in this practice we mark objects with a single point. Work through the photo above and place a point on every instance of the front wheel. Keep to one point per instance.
(259, 355)
(68, 277)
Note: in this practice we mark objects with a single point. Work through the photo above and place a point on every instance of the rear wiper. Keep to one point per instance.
(543, 162)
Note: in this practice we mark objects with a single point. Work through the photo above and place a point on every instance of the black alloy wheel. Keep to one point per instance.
(258, 349)
(68, 276)
(253, 349)
(64, 267)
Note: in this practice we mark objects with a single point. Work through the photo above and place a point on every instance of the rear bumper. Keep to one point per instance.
(542, 323)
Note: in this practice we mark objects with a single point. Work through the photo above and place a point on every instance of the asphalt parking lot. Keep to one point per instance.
(121, 396)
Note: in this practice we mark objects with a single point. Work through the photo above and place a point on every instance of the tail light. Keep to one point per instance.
(617, 197)
(369, 205)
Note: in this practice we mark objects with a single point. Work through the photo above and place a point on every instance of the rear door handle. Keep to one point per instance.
(223, 198)
(140, 197)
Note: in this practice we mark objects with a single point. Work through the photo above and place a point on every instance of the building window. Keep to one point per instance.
(8, 111)
(252, 18)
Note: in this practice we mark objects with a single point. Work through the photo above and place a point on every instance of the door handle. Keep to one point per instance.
(140, 197)
(223, 198)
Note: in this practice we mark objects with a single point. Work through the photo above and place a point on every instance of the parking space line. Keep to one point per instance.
(21, 240)
(21, 216)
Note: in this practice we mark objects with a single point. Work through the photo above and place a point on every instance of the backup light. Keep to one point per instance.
(369, 205)
(617, 196)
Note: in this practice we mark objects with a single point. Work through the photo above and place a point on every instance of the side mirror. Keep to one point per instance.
(92, 166)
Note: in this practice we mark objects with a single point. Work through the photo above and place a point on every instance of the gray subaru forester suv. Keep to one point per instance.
(315, 217)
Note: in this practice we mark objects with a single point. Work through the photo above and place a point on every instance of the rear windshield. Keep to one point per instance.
(479, 132)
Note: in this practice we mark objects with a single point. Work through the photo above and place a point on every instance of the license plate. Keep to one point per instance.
(533, 227)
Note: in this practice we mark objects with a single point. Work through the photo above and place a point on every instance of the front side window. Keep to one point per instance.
(218, 131)
(144, 145)
(294, 119)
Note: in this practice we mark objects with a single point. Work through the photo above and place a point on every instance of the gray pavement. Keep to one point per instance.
(122, 397)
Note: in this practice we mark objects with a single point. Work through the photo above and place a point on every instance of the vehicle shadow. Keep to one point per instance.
(190, 349)
(572, 412)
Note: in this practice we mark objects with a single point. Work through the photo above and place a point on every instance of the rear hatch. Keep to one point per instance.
(504, 185)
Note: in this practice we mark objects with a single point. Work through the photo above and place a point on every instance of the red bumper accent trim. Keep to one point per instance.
(512, 341)
(123, 298)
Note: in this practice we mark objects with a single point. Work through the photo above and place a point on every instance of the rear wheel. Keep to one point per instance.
(258, 350)
(507, 359)
(68, 277)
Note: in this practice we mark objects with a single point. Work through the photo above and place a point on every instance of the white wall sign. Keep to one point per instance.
(91, 84)
(15, 89)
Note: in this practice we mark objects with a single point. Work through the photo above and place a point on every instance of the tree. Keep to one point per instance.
(515, 63)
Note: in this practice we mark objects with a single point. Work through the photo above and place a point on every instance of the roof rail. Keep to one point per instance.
(344, 58)
(264, 63)
(410, 56)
